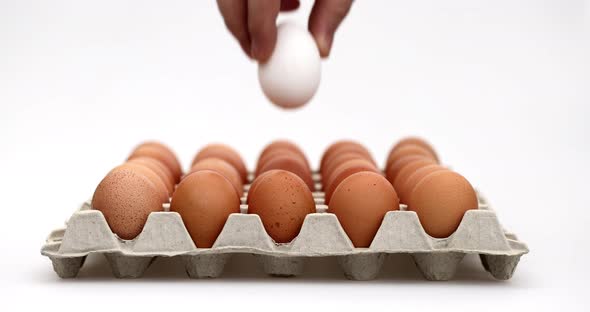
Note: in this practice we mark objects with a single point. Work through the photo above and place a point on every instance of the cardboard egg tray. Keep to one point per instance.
(321, 235)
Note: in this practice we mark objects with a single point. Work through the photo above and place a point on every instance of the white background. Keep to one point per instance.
(501, 88)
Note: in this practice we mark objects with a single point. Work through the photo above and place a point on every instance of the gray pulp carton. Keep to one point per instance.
(321, 235)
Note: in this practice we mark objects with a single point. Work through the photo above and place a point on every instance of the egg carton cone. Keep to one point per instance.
(321, 235)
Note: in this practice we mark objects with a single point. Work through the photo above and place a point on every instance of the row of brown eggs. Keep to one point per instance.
(439, 196)
(131, 191)
(285, 155)
(204, 197)
(281, 194)
(282, 200)
(210, 192)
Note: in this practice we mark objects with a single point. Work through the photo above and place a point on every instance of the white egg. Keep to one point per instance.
(292, 75)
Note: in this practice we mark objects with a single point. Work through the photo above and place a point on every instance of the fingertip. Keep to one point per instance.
(262, 28)
(246, 47)
(262, 47)
(324, 43)
(244, 41)
(257, 53)
(234, 16)
(324, 20)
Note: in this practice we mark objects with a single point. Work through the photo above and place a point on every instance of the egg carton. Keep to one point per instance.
(164, 235)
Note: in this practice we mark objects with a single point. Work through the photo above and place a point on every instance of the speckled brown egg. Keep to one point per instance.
(255, 183)
(410, 168)
(406, 187)
(440, 200)
(415, 141)
(285, 145)
(224, 168)
(154, 178)
(126, 198)
(360, 202)
(336, 147)
(339, 159)
(407, 150)
(282, 200)
(226, 153)
(205, 199)
(161, 153)
(292, 164)
(157, 167)
(345, 170)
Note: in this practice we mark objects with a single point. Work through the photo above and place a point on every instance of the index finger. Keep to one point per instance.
(262, 25)
(235, 14)
(325, 17)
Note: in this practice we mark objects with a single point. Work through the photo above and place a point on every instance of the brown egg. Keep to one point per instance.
(282, 200)
(335, 147)
(347, 149)
(331, 148)
(284, 144)
(337, 160)
(408, 185)
(256, 182)
(224, 168)
(345, 170)
(392, 171)
(154, 178)
(410, 168)
(360, 202)
(441, 199)
(292, 164)
(205, 199)
(415, 141)
(157, 167)
(275, 153)
(226, 153)
(161, 153)
(407, 150)
(126, 198)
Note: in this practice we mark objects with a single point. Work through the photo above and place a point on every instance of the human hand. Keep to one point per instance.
(253, 23)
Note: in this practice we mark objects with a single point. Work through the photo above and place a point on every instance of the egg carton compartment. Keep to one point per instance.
(164, 235)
